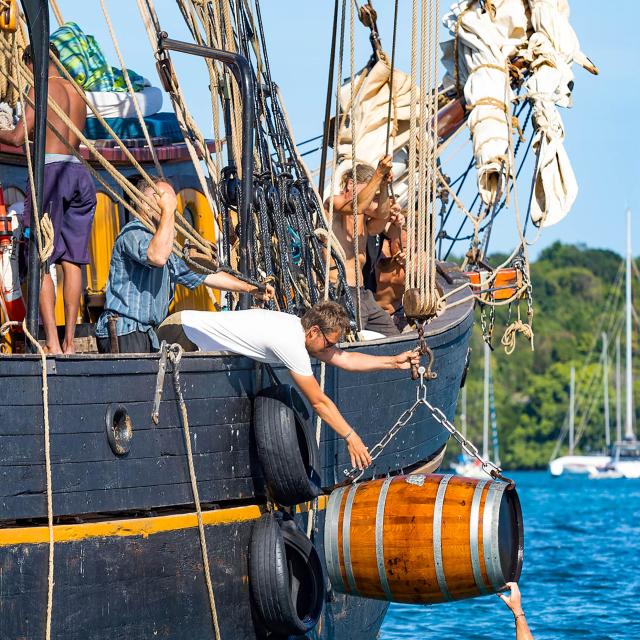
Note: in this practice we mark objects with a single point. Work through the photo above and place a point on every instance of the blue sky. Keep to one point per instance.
(601, 131)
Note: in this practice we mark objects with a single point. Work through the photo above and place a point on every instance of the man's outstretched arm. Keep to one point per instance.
(328, 412)
(514, 602)
(356, 361)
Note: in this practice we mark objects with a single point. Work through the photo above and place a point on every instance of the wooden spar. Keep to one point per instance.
(37, 16)
(451, 118)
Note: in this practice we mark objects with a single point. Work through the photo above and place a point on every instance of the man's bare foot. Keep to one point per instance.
(68, 347)
(54, 350)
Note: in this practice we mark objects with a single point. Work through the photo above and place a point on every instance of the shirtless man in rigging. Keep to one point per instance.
(374, 210)
(390, 268)
(69, 197)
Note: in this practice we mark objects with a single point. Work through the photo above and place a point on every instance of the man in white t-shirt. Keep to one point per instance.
(281, 338)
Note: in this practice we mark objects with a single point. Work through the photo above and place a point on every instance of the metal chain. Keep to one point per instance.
(487, 327)
(421, 400)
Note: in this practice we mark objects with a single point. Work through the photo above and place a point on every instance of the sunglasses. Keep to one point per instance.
(327, 343)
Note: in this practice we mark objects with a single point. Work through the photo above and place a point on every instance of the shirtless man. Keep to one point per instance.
(390, 268)
(374, 209)
(69, 198)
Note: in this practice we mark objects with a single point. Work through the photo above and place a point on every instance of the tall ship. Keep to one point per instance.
(196, 494)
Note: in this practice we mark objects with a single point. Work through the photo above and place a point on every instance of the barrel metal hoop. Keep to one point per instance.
(437, 537)
(382, 571)
(346, 540)
(473, 539)
(331, 539)
(490, 542)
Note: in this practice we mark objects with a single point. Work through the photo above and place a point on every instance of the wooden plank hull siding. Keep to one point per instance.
(152, 586)
(88, 477)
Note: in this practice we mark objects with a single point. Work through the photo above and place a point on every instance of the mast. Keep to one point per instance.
(463, 411)
(494, 422)
(628, 427)
(485, 417)
(572, 393)
(618, 392)
(37, 16)
(605, 389)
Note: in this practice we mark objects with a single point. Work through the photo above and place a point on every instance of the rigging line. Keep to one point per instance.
(131, 191)
(611, 311)
(502, 204)
(393, 64)
(354, 165)
(412, 164)
(134, 97)
(327, 108)
(464, 175)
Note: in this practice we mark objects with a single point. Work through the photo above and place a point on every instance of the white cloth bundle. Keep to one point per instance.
(119, 104)
(6, 117)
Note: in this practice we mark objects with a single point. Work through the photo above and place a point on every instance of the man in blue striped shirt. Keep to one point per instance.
(143, 275)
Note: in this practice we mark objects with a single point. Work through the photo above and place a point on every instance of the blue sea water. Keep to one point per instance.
(581, 572)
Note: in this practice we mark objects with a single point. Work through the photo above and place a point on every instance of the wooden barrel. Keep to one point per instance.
(423, 538)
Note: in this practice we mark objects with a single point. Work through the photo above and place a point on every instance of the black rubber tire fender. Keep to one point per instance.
(286, 447)
(285, 576)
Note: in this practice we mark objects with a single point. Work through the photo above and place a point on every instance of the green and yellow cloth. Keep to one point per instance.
(82, 57)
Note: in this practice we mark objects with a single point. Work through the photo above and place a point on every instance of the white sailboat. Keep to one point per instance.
(467, 466)
(575, 464)
(624, 461)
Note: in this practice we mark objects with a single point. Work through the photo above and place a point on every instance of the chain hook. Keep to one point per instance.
(424, 350)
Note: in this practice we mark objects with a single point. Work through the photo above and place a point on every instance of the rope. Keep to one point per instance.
(330, 239)
(354, 166)
(132, 93)
(174, 353)
(135, 194)
(392, 101)
(8, 92)
(508, 340)
(412, 166)
(47, 462)
(44, 226)
(422, 300)
(56, 12)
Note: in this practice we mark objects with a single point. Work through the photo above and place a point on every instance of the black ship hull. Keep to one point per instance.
(127, 556)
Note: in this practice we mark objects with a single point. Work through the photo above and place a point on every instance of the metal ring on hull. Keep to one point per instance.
(473, 537)
(490, 539)
(346, 539)
(382, 571)
(437, 537)
(331, 539)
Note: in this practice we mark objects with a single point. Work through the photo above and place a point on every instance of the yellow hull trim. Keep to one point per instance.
(132, 527)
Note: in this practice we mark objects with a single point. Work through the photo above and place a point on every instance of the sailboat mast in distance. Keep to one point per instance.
(572, 393)
(463, 411)
(628, 430)
(605, 388)
(618, 392)
(485, 417)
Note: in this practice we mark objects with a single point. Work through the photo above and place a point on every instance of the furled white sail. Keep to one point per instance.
(486, 36)
(552, 49)
(371, 107)
(486, 39)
